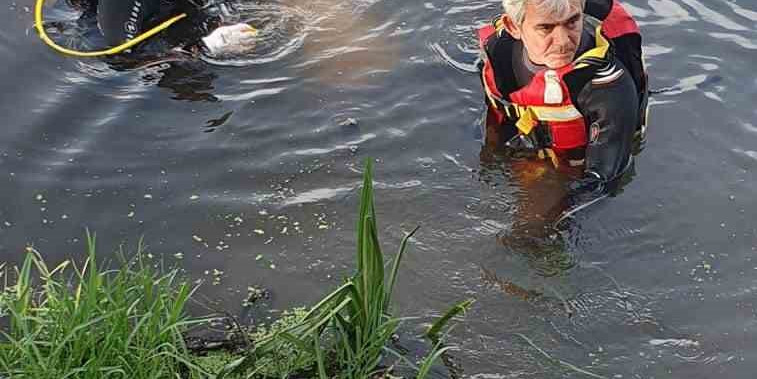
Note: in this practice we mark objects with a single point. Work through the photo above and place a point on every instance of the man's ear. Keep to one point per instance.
(511, 27)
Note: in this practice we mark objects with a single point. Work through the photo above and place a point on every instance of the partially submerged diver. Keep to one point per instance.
(564, 80)
(206, 28)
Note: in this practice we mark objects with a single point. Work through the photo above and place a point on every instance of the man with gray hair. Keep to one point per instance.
(564, 80)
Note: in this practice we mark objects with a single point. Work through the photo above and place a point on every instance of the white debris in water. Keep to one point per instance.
(130, 215)
(148, 196)
(7, 224)
(674, 342)
(40, 197)
(194, 197)
(259, 231)
(196, 238)
(179, 255)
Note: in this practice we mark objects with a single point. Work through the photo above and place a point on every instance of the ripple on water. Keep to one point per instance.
(668, 12)
(708, 15)
(735, 38)
(282, 30)
(748, 153)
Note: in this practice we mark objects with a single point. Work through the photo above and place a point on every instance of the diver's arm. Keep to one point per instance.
(609, 104)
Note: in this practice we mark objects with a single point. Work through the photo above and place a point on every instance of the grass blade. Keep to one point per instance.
(461, 307)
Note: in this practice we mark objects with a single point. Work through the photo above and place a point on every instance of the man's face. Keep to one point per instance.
(550, 39)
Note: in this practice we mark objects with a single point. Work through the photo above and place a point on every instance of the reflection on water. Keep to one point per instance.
(657, 281)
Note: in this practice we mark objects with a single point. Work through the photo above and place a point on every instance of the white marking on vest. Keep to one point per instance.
(567, 113)
(552, 89)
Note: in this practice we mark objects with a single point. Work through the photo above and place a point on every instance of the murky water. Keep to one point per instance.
(252, 168)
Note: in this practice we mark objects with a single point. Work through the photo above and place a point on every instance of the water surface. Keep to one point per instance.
(252, 168)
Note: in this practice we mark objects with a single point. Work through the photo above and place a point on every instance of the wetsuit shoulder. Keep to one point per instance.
(499, 50)
(598, 9)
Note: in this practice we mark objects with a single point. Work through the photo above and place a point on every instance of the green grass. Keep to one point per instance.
(347, 332)
(89, 322)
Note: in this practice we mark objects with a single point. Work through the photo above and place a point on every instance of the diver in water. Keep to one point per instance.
(564, 81)
(204, 30)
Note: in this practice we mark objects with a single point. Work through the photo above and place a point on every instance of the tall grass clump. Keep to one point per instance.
(348, 331)
(89, 322)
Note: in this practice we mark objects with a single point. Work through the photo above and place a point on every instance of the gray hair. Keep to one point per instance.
(516, 9)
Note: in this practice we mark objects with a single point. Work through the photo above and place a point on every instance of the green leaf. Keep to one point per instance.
(461, 307)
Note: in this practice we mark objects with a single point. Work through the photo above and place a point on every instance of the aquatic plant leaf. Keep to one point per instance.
(396, 265)
(461, 307)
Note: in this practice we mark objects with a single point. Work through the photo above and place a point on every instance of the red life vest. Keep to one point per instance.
(546, 99)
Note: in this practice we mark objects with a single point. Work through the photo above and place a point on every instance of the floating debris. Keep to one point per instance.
(674, 342)
(196, 238)
(253, 295)
(217, 274)
(350, 121)
(179, 255)
(130, 215)
(194, 197)
(259, 231)
(148, 196)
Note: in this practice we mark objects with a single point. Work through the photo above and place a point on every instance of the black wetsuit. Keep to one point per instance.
(121, 20)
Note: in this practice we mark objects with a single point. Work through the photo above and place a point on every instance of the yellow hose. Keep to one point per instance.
(114, 50)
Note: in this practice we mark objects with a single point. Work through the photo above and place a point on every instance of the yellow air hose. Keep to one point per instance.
(114, 50)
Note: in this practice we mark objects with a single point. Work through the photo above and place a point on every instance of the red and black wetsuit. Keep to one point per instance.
(603, 102)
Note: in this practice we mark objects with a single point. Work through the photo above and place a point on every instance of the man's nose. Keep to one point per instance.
(561, 36)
